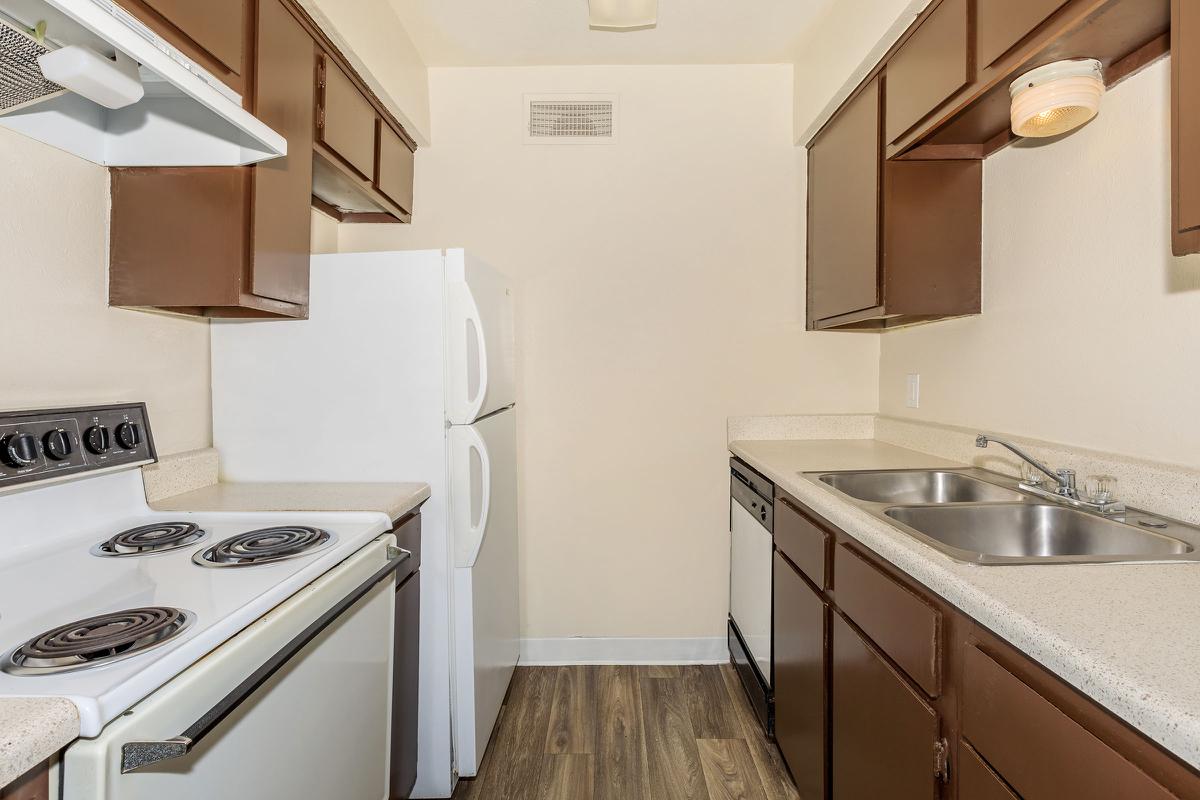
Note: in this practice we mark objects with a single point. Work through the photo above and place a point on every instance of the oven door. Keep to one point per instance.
(317, 726)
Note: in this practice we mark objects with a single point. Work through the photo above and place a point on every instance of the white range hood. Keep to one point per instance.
(186, 118)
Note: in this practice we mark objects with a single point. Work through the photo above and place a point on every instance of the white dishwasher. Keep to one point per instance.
(751, 545)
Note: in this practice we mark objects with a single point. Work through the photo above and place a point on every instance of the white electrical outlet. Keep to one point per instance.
(912, 386)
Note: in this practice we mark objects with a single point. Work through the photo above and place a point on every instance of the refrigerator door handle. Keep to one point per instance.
(476, 322)
(477, 528)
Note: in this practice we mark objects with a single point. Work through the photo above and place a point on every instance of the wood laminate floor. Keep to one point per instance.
(628, 733)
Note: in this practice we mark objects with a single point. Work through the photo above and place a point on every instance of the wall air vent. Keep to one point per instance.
(570, 119)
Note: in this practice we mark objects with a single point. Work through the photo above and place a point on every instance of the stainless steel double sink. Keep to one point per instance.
(981, 517)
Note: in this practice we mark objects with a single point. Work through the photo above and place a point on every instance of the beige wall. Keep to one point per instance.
(659, 294)
(374, 40)
(62, 344)
(1088, 333)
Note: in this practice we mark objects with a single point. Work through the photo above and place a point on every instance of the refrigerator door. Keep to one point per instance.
(483, 513)
(480, 358)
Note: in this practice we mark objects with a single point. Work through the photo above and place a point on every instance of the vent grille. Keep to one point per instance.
(21, 81)
(583, 119)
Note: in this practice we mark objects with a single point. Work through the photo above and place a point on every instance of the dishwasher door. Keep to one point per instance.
(751, 546)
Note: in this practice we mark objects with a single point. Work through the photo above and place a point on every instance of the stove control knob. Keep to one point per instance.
(129, 435)
(21, 450)
(58, 444)
(97, 440)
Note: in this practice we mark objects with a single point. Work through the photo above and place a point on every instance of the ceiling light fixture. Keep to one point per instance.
(622, 15)
(1056, 98)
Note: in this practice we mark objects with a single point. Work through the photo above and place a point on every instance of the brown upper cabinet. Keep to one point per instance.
(214, 33)
(1002, 24)
(895, 179)
(930, 67)
(889, 243)
(345, 120)
(1185, 126)
(363, 167)
(227, 242)
(235, 241)
(843, 210)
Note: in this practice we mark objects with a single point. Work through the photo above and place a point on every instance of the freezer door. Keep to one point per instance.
(480, 358)
(483, 502)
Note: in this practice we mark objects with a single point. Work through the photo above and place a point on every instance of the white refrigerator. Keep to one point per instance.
(403, 371)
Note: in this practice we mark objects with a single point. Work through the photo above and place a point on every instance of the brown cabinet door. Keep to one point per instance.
(347, 124)
(394, 172)
(1037, 749)
(931, 66)
(1003, 23)
(1185, 116)
(843, 210)
(283, 186)
(799, 652)
(978, 781)
(217, 26)
(883, 732)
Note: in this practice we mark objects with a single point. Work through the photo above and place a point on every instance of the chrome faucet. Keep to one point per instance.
(1065, 478)
(1065, 490)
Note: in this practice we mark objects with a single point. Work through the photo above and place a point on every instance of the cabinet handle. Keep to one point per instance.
(136, 755)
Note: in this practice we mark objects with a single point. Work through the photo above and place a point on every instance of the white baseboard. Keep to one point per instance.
(635, 650)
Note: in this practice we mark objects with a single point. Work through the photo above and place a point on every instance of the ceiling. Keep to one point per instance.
(547, 32)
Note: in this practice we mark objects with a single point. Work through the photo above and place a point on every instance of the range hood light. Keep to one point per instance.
(112, 84)
(622, 14)
(1056, 98)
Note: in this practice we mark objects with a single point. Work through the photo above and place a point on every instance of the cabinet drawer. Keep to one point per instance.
(394, 172)
(883, 732)
(347, 121)
(901, 623)
(1003, 23)
(1041, 752)
(799, 635)
(976, 780)
(799, 538)
(931, 66)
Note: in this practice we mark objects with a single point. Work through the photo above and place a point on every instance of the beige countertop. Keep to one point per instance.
(1126, 635)
(393, 499)
(31, 730)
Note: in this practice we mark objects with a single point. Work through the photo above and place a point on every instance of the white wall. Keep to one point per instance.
(62, 344)
(660, 294)
(1089, 327)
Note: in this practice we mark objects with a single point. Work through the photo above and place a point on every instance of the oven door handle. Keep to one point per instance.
(136, 755)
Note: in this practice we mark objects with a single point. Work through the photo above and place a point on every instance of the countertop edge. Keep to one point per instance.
(34, 729)
(393, 499)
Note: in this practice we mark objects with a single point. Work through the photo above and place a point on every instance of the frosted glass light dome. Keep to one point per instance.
(1056, 98)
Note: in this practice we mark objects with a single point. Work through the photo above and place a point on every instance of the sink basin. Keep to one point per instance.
(918, 486)
(1033, 533)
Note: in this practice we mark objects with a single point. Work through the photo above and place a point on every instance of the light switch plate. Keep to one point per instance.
(912, 387)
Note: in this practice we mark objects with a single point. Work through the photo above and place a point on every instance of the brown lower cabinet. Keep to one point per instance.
(882, 730)
(33, 785)
(799, 644)
(883, 690)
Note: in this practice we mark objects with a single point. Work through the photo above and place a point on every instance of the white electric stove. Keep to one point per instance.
(195, 646)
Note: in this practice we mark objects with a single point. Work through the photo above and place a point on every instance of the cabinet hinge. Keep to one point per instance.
(941, 760)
